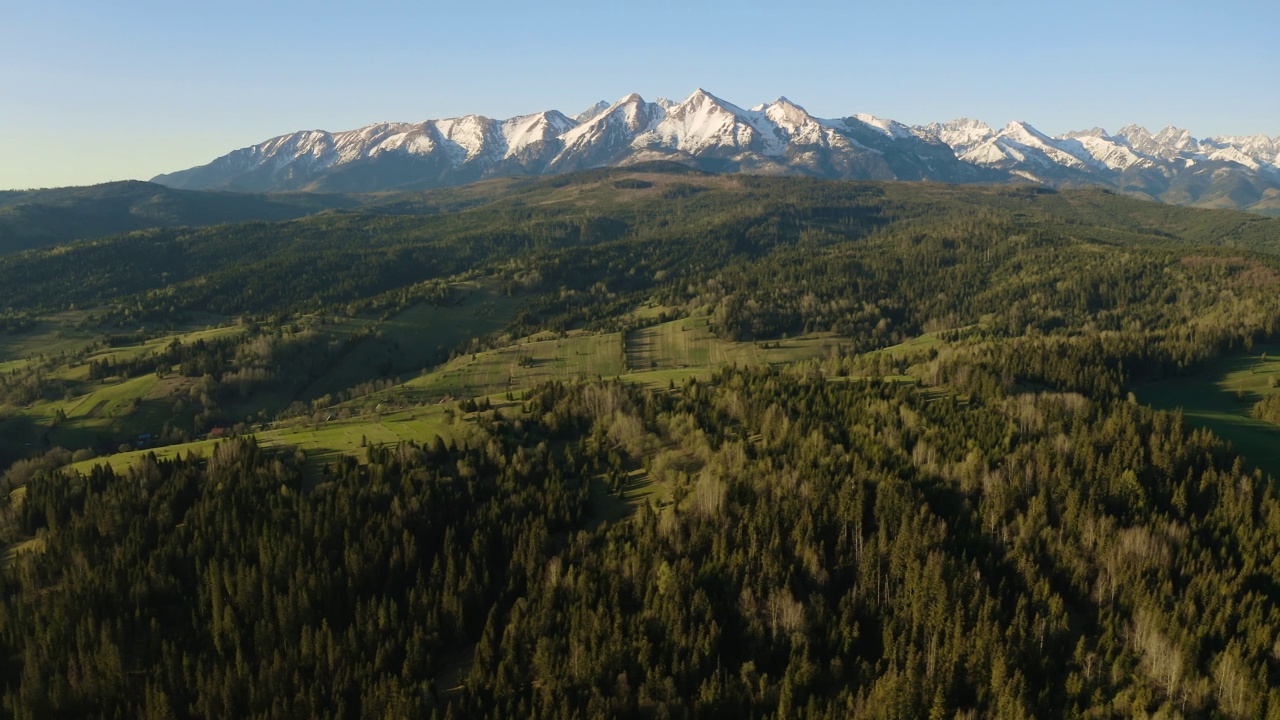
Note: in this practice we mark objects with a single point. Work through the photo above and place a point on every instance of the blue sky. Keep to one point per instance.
(94, 91)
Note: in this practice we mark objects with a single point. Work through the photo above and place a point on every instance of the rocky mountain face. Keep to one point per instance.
(775, 138)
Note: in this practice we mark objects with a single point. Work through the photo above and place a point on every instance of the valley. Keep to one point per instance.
(648, 442)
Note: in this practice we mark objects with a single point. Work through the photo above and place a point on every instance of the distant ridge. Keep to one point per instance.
(37, 218)
(781, 137)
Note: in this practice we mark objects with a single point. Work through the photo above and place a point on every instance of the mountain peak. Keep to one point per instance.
(1167, 144)
(1021, 126)
(698, 96)
(526, 133)
(701, 97)
(702, 122)
(592, 112)
(783, 102)
(1175, 135)
(967, 122)
(1133, 129)
(786, 113)
(713, 134)
(891, 128)
(1095, 132)
(961, 134)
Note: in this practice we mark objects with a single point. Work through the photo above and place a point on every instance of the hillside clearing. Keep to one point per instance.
(1220, 398)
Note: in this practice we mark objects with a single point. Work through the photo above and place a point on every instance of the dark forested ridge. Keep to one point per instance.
(317, 262)
(38, 218)
(646, 444)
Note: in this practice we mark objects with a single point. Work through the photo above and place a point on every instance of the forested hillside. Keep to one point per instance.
(649, 444)
(39, 218)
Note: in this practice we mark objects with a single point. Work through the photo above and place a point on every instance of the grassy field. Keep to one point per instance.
(915, 344)
(130, 352)
(418, 409)
(47, 338)
(113, 410)
(689, 343)
(70, 332)
(655, 356)
(122, 461)
(323, 441)
(638, 489)
(346, 437)
(29, 545)
(109, 411)
(417, 338)
(1220, 399)
(528, 363)
(95, 412)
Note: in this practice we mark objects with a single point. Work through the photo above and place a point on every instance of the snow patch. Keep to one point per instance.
(890, 128)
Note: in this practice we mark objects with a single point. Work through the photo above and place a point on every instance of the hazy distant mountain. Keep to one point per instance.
(775, 138)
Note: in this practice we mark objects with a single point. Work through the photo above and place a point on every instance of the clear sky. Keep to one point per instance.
(97, 91)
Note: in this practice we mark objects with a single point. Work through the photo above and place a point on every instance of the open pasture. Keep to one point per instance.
(419, 337)
(1220, 398)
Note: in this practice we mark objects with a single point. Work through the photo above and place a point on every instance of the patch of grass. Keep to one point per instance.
(637, 490)
(67, 333)
(120, 462)
(323, 442)
(419, 337)
(525, 365)
(96, 412)
(109, 412)
(30, 545)
(661, 379)
(123, 353)
(689, 343)
(655, 356)
(347, 437)
(47, 338)
(1220, 399)
(915, 344)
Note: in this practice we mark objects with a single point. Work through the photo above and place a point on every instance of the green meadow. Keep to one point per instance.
(416, 410)
(1220, 398)
(418, 337)
(323, 441)
(659, 354)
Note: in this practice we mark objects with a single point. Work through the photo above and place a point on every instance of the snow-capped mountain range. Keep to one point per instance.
(774, 138)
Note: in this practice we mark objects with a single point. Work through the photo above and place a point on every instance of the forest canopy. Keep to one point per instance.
(646, 444)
